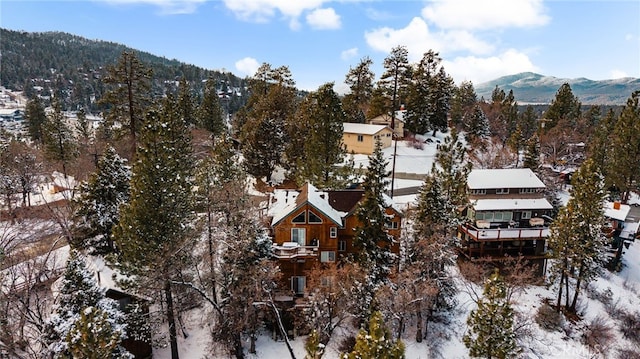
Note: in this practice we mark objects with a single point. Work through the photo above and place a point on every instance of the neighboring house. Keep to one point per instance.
(310, 226)
(10, 115)
(385, 119)
(619, 228)
(361, 138)
(508, 215)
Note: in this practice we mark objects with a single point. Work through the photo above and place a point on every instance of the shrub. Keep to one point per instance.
(598, 334)
(548, 318)
(347, 344)
(630, 326)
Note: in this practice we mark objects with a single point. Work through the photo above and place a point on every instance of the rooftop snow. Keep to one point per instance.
(309, 194)
(617, 214)
(503, 178)
(362, 128)
(509, 204)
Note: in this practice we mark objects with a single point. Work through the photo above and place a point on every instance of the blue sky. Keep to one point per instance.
(319, 40)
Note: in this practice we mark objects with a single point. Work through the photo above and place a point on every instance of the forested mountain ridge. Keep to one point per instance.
(532, 88)
(73, 65)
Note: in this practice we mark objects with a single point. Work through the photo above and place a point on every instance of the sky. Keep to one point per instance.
(320, 40)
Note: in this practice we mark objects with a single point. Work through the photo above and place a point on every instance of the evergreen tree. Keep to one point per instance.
(313, 347)
(360, 82)
(528, 122)
(154, 227)
(35, 118)
(576, 241)
(477, 126)
(491, 332)
(599, 148)
(532, 153)
(59, 141)
(269, 108)
(463, 102)
(322, 151)
(516, 142)
(379, 104)
(372, 237)
(376, 342)
(83, 316)
(128, 94)
(625, 158)
(565, 106)
(186, 102)
(98, 205)
(209, 114)
(395, 78)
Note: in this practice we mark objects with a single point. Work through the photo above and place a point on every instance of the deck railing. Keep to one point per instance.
(490, 234)
(290, 250)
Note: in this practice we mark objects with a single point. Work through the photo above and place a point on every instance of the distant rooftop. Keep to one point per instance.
(362, 128)
(503, 178)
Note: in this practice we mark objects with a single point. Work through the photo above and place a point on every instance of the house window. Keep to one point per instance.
(298, 236)
(526, 215)
(388, 135)
(497, 216)
(392, 225)
(342, 246)
(313, 218)
(360, 138)
(299, 218)
(478, 191)
(527, 190)
(502, 191)
(333, 232)
(298, 284)
(327, 256)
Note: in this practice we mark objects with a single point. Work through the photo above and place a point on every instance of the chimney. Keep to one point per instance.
(616, 205)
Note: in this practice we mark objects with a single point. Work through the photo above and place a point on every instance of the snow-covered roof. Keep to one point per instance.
(363, 128)
(288, 201)
(503, 178)
(630, 230)
(617, 214)
(509, 204)
(389, 202)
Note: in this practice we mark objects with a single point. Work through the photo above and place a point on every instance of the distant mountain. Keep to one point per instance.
(73, 66)
(532, 88)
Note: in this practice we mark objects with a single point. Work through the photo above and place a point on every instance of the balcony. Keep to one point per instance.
(491, 233)
(291, 250)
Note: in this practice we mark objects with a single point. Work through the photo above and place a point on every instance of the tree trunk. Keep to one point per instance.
(577, 291)
(171, 321)
(237, 347)
(562, 278)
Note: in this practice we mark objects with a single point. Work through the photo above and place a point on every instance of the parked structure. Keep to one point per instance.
(508, 216)
(310, 226)
(361, 138)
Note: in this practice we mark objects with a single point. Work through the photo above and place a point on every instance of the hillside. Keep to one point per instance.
(532, 88)
(64, 63)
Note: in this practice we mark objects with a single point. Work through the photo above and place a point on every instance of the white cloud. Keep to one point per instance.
(617, 74)
(418, 39)
(265, 10)
(349, 53)
(324, 19)
(247, 66)
(482, 69)
(167, 7)
(486, 14)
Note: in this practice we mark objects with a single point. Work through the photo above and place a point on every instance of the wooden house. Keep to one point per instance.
(508, 215)
(310, 226)
(361, 138)
(385, 119)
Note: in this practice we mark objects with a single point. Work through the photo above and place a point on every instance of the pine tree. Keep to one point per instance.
(395, 78)
(477, 126)
(491, 332)
(98, 205)
(371, 236)
(313, 347)
(376, 342)
(532, 153)
(360, 82)
(269, 108)
(209, 114)
(576, 240)
(463, 101)
(186, 102)
(625, 158)
(516, 143)
(35, 118)
(83, 315)
(128, 94)
(565, 106)
(154, 227)
(322, 151)
(59, 141)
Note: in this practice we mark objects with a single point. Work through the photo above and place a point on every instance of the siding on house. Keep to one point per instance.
(361, 138)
